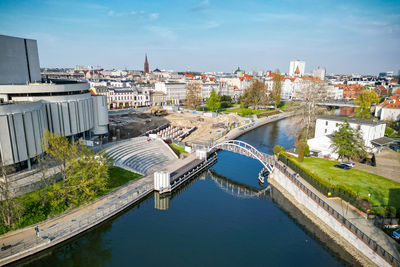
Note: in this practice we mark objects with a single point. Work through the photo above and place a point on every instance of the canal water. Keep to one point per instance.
(218, 219)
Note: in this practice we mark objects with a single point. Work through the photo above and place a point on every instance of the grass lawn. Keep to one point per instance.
(244, 111)
(177, 148)
(361, 182)
(118, 177)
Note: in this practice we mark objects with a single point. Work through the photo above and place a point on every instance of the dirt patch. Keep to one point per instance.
(132, 125)
(387, 165)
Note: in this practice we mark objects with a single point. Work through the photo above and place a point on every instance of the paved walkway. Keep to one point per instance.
(357, 219)
(24, 242)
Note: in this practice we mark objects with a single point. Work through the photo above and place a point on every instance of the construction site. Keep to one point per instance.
(199, 127)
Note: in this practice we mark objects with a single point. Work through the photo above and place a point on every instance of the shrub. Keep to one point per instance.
(278, 149)
(306, 150)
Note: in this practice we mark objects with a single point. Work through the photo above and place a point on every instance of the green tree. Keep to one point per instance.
(348, 142)
(277, 88)
(365, 99)
(212, 102)
(61, 150)
(88, 176)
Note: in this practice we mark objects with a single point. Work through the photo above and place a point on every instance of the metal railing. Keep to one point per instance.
(77, 225)
(369, 241)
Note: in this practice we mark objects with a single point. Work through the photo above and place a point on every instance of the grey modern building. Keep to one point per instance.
(29, 106)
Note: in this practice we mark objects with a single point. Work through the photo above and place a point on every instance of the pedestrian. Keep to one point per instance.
(37, 231)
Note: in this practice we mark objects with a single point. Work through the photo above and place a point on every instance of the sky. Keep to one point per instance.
(209, 35)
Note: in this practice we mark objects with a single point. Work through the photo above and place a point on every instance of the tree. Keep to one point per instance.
(61, 150)
(311, 92)
(365, 99)
(193, 95)
(9, 206)
(348, 142)
(278, 149)
(277, 88)
(255, 95)
(87, 176)
(212, 102)
(226, 101)
(301, 152)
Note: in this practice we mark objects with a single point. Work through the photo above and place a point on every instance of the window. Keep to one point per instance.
(326, 123)
(326, 130)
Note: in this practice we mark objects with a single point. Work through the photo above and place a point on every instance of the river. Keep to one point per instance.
(215, 220)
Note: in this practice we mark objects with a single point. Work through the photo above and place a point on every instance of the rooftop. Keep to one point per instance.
(351, 120)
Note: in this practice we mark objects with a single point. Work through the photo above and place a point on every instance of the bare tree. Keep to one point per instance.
(193, 95)
(310, 92)
(255, 95)
(8, 205)
(277, 88)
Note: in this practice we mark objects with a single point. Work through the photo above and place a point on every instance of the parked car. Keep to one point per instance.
(342, 166)
(396, 234)
(350, 164)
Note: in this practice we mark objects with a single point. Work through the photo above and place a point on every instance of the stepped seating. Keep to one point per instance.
(140, 153)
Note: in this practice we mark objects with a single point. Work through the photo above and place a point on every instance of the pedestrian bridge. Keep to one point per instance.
(245, 149)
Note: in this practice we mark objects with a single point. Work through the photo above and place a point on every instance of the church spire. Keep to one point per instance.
(146, 65)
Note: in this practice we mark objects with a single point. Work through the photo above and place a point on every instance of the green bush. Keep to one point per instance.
(278, 149)
(306, 150)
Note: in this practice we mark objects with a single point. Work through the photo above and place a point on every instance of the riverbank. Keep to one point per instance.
(368, 244)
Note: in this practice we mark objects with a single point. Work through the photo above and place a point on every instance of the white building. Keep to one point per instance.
(175, 92)
(389, 109)
(326, 126)
(28, 107)
(319, 73)
(297, 68)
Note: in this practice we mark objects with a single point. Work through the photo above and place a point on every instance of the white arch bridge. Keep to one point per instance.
(245, 149)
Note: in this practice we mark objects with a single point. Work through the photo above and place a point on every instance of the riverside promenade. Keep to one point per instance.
(24, 242)
(356, 223)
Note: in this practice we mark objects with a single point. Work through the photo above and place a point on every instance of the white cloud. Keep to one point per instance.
(205, 4)
(133, 12)
(163, 32)
(112, 13)
(154, 16)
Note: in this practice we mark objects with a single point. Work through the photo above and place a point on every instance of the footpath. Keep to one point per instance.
(352, 215)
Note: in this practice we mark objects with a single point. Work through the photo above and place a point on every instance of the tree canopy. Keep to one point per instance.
(193, 95)
(348, 142)
(255, 95)
(213, 102)
(277, 88)
(365, 99)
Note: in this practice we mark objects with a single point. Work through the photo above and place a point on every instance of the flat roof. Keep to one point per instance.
(382, 141)
(351, 120)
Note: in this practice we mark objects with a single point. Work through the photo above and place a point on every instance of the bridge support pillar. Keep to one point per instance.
(201, 154)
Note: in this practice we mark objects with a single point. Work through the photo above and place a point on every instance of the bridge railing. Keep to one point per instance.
(354, 229)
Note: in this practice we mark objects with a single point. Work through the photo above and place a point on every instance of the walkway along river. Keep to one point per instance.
(207, 223)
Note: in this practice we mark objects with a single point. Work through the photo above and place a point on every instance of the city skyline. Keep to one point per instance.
(357, 37)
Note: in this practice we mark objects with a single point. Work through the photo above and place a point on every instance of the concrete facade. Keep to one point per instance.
(28, 107)
(19, 62)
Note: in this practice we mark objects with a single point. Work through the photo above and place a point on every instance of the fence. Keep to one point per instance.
(77, 225)
(369, 241)
(326, 189)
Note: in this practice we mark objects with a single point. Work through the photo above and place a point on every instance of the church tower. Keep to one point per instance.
(146, 65)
